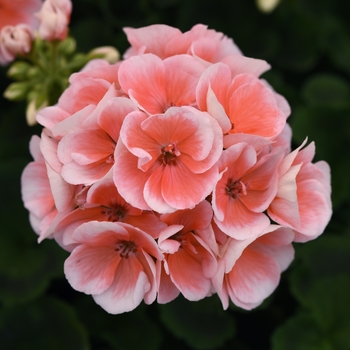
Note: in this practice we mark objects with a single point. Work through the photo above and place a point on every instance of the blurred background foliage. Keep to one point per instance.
(307, 42)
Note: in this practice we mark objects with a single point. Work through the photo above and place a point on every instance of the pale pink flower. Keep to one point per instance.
(86, 95)
(165, 41)
(155, 85)
(189, 262)
(87, 154)
(249, 270)
(114, 263)
(36, 190)
(241, 104)
(54, 17)
(247, 186)
(303, 200)
(15, 12)
(167, 161)
(14, 41)
(45, 194)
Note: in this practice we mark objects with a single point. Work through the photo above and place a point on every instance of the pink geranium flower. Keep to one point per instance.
(155, 85)
(247, 186)
(165, 41)
(104, 203)
(189, 262)
(249, 270)
(36, 191)
(87, 154)
(303, 200)
(114, 263)
(241, 103)
(167, 161)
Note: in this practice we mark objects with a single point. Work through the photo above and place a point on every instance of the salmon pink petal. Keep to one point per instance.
(91, 269)
(191, 219)
(129, 180)
(112, 115)
(314, 208)
(136, 140)
(253, 278)
(36, 190)
(128, 288)
(253, 110)
(217, 77)
(241, 64)
(241, 223)
(153, 38)
(141, 74)
(187, 275)
(167, 290)
(184, 194)
(182, 73)
(49, 116)
(153, 192)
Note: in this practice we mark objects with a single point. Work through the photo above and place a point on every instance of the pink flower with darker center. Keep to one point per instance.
(246, 188)
(114, 263)
(168, 161)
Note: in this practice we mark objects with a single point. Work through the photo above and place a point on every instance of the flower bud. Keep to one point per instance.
(17, 91)
(109, 53)
(67, 46)
(15, 40)
(267, 5)
(54, 17)
(18, 70)
(33, 107)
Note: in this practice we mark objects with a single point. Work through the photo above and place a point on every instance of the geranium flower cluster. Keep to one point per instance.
(171, 172)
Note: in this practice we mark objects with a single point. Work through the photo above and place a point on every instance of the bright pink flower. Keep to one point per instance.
(155, 85)
(249, 270)
(241, 104)
(15, 40)
(15, 12)
(167, 161)
(54, 17)
(247, 186)
(114, 263)
(303, 198)
(189, 261)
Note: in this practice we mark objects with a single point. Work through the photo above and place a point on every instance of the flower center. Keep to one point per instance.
(125, 248)
(169, 154)
(114, 214)
(235, 188)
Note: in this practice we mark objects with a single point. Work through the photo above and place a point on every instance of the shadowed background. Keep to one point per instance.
(307, 43)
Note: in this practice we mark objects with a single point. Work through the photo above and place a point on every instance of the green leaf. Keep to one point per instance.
(327, 90)
(202, 324)
(45, 324)
(122, 332)
(300, 332)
